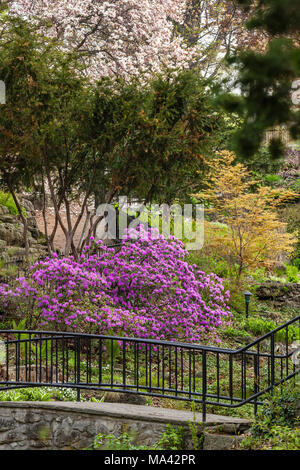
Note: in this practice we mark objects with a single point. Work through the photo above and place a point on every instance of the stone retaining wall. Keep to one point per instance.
(287, 294)
(12, 238)
(68, 425)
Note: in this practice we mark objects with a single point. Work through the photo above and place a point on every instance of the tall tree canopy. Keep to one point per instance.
(126, 37)
(118, 37)
(216, 28)
(144, 139)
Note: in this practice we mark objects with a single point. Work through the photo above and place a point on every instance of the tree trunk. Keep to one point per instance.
(22, 217)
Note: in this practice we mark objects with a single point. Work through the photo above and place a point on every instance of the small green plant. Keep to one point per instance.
(296, 185)
(26, 394)
(171, 439)
(21, 326)
(272, 179)
(260, 327)
(275, 426)
(39, 394)
(276, 438)
(292, 274)
(41, 349)
(7, 201)
(258, 275)
(111, 442)
(96, 400)
(10, 271)
(280, 408)
(112, 347)
(296, 263)
(231, 332)
(193, 426)
(13, 251)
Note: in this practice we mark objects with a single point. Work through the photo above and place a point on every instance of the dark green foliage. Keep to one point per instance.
(263, 162)
(171, 439)
(279, 410)
(276, 425)
(142, 139)
(44, 109)
(275, 16)
(7, 201)
(265, 79)
(114, 137)
(296, 263)
(260, 327)
(163, 128)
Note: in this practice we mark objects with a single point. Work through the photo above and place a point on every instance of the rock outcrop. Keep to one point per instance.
(279, 293)
(12, 242)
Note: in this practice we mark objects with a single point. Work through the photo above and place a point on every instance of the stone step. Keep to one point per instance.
(71, 425)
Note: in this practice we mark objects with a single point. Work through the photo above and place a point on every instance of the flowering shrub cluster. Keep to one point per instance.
(145, 290)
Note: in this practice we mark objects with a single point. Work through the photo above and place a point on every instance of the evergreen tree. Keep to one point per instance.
(266, 80)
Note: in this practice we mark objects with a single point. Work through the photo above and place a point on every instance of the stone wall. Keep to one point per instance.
(68, 425)
(287, 293)
(12, 242)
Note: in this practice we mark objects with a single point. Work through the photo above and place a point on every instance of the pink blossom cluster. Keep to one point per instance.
(121, 37)
(146, 290)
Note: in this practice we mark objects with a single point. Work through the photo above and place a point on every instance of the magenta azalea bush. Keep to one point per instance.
(146, 290)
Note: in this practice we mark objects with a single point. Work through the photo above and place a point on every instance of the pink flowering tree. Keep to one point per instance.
(117, 37)
(146, 290)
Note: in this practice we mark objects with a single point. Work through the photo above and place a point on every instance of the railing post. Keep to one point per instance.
(7, 360)
(256, 358)
(78, 366)
(204, 386)
(17, 378)
(272, 362)
(230, 379)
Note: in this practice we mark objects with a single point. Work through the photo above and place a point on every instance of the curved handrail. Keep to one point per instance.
(154, 341)
(168, 367)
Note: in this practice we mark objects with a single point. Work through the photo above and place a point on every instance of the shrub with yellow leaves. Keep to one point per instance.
(250, 234)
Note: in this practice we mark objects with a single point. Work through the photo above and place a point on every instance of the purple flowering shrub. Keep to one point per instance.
(145, 290)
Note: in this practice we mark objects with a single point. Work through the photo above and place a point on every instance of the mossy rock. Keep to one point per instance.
(280, 293)
(3, 210)
(130, 398)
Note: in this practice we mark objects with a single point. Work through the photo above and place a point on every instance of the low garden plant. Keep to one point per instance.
(6, 200)
(171, 439)
(276, 426)
(39, 394)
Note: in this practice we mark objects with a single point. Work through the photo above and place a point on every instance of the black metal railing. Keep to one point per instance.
(180, 371)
